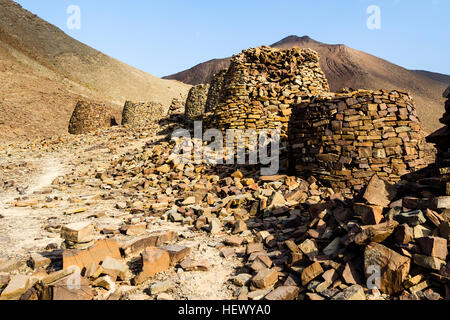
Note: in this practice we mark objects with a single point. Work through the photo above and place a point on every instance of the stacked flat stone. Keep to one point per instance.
(215, 91)
(262, 84)
(90, 116)
(177, 105)
(196, 102)
(345, 139)
(441, 139)
(141, 114)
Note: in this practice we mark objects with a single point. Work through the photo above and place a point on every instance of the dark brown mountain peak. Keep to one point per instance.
(296, 40)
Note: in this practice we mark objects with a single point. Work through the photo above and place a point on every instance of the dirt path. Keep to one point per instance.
(21, 228)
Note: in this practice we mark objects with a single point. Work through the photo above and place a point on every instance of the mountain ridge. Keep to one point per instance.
(346, 67)
(44, 71)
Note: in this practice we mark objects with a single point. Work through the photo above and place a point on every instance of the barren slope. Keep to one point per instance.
(43, 71)
(347, 67)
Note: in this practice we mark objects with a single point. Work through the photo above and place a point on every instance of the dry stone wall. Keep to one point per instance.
(141, 114)
(441, 139)
(345, 139)
(90, 116)
(215, 91)
(196, 102)
(261, 85)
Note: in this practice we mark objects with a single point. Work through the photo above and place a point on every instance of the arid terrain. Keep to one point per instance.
(44, 72)
(349, 68)
(358, 210)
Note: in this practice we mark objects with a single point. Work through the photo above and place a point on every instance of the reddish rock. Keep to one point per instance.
(154, 260)
(311, 272)
(369, 214)
(379, 192)
(234, 241)
(376, 233)
(394, 268)
(96, 254)
(434, 246)
(254, 247)
(265, 278)
(77, 291)
(404, 234)
(177, 253)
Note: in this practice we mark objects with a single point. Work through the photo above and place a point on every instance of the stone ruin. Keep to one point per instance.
(345, 139)
(90, 116)
(138, 115)
(261, 85)
(215, 91)
(441, 139)
(196, 101)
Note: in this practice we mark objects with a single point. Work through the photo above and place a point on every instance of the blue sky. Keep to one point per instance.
(166, 36)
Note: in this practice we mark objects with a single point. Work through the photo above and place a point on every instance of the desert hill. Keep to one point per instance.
(43, 71)
(346, 67)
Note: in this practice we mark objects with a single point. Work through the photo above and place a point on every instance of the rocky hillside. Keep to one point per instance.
(346, 67)
(44, 71)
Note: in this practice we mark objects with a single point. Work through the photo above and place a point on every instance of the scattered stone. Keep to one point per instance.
(265, 278)
(283, 293)
(427, 262)
(104, 282)
(433, 246)
(369, 214)
(160, 287)
(176, 253)
(16, 287)
(394, 267)
(234, 241)
(355, 292)
(80, 232)
(412, 218)
(311, 272)
(114, 268)
(379, 192)
(242, 279)
(96, 254)
(154, 261)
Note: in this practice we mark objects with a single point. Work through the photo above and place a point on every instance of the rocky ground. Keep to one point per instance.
(106, 201)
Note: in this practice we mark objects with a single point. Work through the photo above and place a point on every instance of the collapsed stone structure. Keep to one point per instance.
(346, 138)
(196, 101)
(261, 85)
(215, 91)
(441, 139)
(142, 113)
(90, 116)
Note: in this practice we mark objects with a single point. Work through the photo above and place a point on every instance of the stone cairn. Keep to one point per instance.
(345, 139)
(141, 114)
(90, 116)
(196, 101)
(441, 139)
(262, 84)
(177, 106)
(215, 91)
